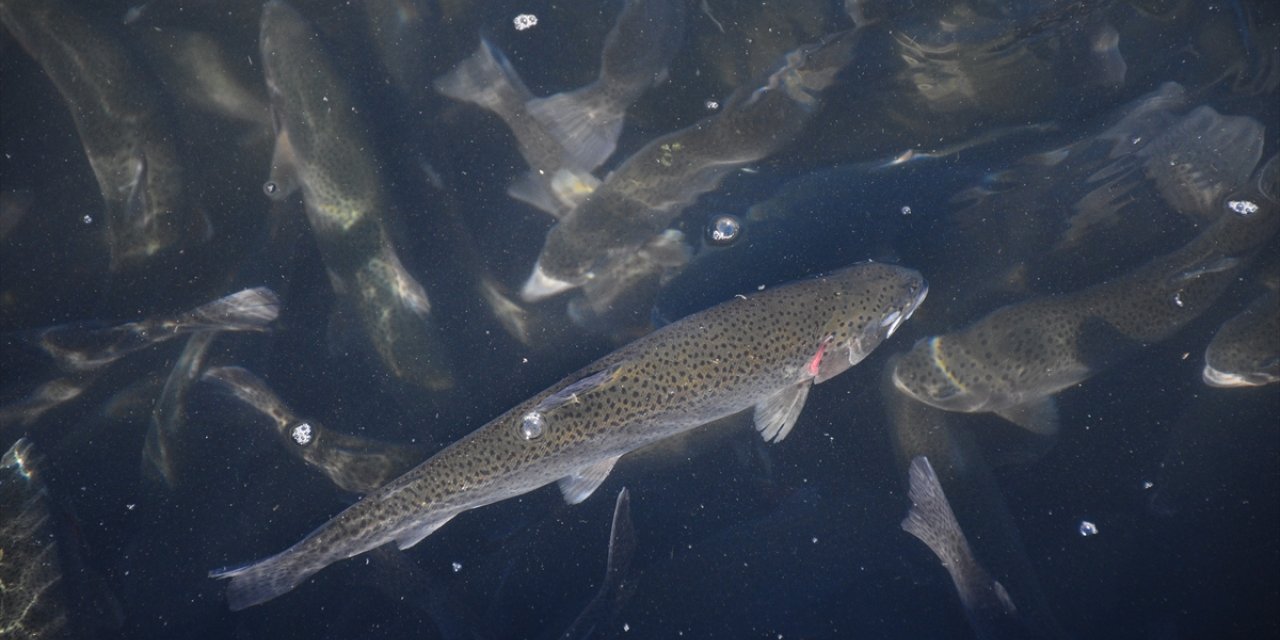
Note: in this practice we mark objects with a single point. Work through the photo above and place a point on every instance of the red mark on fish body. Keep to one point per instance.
(816, 361)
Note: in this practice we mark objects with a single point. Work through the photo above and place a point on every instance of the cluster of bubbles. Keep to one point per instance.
(525, 21)
(301, 434)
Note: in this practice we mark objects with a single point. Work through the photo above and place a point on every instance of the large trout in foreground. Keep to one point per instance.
(761, 352)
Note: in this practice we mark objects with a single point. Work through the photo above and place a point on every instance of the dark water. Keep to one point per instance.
(735, 538)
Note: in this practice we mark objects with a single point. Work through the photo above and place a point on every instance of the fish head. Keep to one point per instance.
(930, 373)
(873, 300)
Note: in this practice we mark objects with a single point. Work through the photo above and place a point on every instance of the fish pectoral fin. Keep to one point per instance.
(414, 534)
(576, 390)
(282, 182)
(1038, 416)
(535, 190)
(775, 415)
(581, 485)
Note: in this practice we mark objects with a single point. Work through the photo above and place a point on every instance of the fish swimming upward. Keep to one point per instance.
(322, 150)
(763, 352)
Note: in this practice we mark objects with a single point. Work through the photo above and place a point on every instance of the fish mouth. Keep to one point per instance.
(895, 319)
(541, 286)
(1226, 379)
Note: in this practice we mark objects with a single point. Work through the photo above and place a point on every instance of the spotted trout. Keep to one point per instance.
(760, 352)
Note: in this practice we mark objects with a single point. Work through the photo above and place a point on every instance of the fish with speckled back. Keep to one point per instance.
(761, 352)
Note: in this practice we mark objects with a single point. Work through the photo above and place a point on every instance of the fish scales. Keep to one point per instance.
(743, 353)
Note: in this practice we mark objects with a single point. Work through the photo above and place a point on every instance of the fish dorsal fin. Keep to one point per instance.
(572, 392)
(775, 415)
(585, 481)
(415, 533)
(1037, 416)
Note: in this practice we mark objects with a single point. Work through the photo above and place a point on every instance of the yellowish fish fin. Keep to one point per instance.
(1039, 416)
(775, 415)
(572, 187)
(581, 485)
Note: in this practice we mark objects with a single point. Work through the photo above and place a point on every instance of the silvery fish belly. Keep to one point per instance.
(761, 352)
(321, 149)
(1012, 361)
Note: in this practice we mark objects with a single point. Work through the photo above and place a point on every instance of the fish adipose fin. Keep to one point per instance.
(584, 122)
(581, 485)
(775, 415)
(1038, 416)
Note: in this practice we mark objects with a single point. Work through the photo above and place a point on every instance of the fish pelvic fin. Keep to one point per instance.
(777, 414)
(1038, 416)
(416, 532)
(579, 486)
(247, 310)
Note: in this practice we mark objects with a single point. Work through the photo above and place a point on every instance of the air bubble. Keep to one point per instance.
(525, 21)
(532, 426)
(301, 434)
(723, 230)
(1243, 207)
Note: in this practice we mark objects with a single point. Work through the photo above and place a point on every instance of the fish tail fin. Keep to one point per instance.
(486, 79)
(931, 519)
(257, 582)
(247, 310)
(585, 122)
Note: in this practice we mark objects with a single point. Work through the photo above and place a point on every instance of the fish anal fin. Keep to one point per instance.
(414, 534)
(777, 414)
(581, 485)
(1038, 416)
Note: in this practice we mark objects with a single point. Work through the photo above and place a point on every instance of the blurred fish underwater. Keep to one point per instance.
(365, 269)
